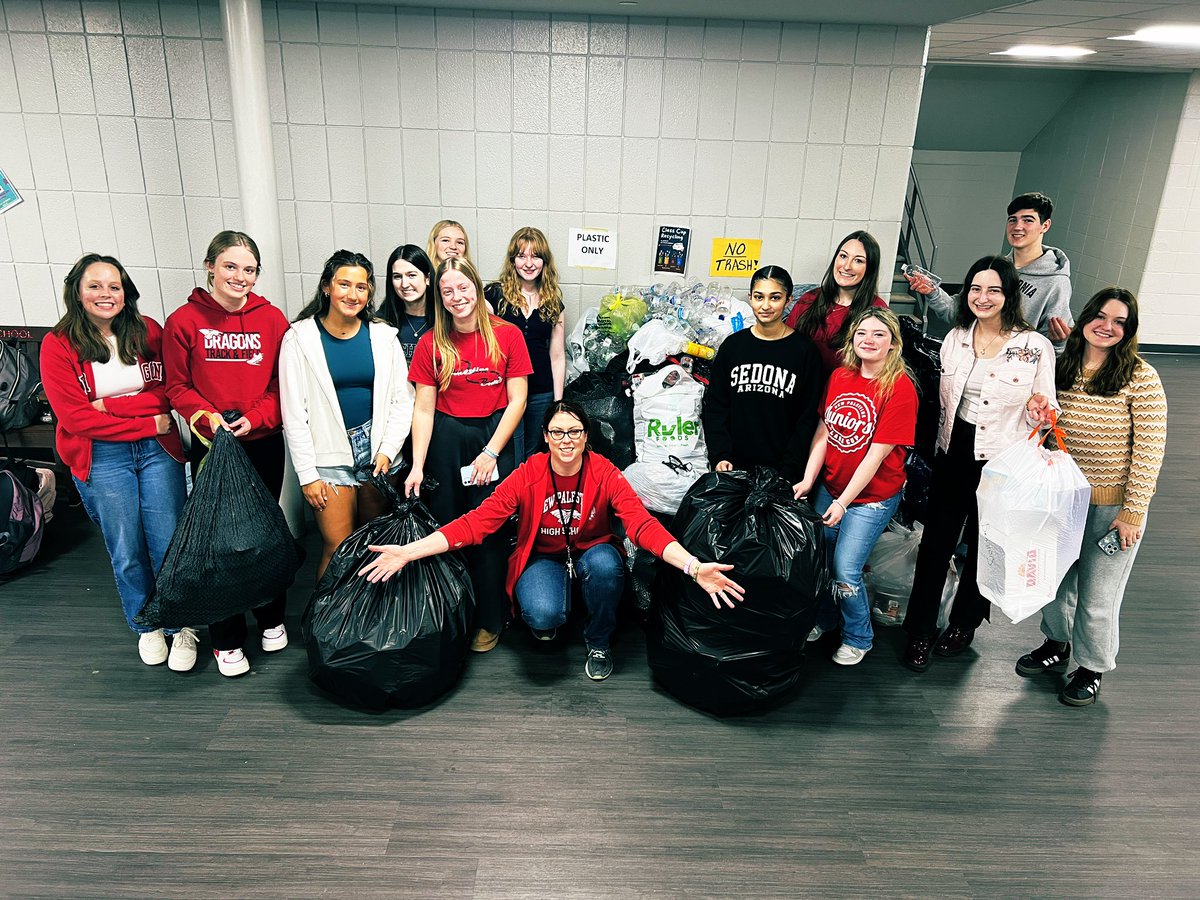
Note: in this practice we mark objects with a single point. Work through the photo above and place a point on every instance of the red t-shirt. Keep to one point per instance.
(558, 506)
(856, 418)
(477, 387)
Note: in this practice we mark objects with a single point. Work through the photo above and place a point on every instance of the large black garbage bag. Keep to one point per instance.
(730, 661)
(915, 502)
(605, 397)
(232, 549)
(922, 355)
(400, 642)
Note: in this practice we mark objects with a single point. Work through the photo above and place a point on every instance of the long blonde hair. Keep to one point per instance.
(550, 304)
(445, 354)
(893, 364)
(431, 250)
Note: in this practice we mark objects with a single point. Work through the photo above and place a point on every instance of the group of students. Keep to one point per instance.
(463, 386)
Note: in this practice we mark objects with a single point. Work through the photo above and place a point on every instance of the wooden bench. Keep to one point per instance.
(35, 441)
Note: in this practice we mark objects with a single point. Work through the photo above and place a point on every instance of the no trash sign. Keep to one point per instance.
(735, 257)
(591, 248)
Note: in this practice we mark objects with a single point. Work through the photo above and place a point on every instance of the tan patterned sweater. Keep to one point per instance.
(1118, 441)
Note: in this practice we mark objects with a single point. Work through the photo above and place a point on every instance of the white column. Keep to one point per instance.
(251, 108)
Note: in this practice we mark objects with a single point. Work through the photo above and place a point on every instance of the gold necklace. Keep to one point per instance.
(979, 354)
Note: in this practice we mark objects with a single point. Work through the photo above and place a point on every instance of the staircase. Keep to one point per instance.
(917, 247)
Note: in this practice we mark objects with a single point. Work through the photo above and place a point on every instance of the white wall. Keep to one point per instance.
(1103, 160)
(114, 122)
(966, 194)
(1169, 287)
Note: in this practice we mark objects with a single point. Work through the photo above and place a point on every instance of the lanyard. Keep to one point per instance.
(570, 517)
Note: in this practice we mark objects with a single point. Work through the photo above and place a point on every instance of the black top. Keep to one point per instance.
(411, 328)
(762, 400)
(537, 333)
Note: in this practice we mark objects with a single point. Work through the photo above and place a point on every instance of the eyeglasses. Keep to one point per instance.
(557, 434)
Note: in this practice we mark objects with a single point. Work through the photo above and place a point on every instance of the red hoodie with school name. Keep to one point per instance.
(71, 389)
(218, 360)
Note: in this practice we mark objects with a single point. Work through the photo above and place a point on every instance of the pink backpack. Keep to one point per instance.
(22, 521)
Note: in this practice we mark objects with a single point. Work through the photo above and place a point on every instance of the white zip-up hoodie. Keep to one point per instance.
(312, 418)
(1023, 367)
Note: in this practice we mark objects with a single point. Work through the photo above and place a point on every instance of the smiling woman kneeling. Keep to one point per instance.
(565, 501)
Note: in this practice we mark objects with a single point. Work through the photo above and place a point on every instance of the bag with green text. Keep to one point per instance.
(667, 437)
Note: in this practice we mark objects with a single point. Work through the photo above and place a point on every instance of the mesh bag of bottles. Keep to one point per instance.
(400, 642)
(731, 661)
(232, 549)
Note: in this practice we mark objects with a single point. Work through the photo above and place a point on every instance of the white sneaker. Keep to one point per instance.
(232, 662)
(815, 634)
(152, 648)
(274, 639)
(183, 650)
(848, 656)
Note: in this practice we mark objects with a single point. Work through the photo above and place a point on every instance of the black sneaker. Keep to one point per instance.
(1082, 689)
(544, 634)
(599, 664)
(1047, 658)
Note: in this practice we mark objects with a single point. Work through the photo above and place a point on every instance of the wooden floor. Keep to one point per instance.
(119, 780)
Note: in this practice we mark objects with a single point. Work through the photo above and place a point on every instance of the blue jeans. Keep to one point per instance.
(527, 439)
(544, 592)
(849, 544)
(135, 493)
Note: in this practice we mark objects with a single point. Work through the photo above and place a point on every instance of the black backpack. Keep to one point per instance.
(19, 387)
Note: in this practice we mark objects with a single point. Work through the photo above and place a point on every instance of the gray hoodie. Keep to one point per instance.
(1045, 292)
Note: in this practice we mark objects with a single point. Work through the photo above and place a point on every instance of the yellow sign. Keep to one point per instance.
(735, 257)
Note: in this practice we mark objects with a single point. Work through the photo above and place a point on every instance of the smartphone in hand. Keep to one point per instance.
(1110, 543)
(467, 472)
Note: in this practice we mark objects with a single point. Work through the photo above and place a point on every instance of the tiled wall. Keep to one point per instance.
(1169, 313)
(966, 194)
(1103, 160)
(114, 122)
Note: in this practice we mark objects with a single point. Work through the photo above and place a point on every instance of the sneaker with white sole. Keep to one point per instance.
(232, 662)
(274, 639)
(599, 664)
(152, 647)
(815, 634)
(849, 656)
(183, 650)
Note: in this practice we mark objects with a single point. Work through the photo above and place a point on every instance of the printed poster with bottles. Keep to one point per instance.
(672, 251)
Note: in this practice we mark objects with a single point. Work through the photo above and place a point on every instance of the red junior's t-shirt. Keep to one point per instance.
(856, 418)
(566, 502)
(477, 387)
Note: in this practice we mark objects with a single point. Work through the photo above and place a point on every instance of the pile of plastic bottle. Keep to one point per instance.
(691, 319)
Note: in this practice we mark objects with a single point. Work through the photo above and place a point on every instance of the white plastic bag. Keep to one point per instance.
(890, 571)
(1033, 506)
(661, 485)
(577, 362)
(667, 437)
(655, 341)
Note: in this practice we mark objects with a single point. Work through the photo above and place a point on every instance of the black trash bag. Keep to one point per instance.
(605, 397)
(922, 355)
(232, 549)
(915, 502)
(730, 661)
(400, 642)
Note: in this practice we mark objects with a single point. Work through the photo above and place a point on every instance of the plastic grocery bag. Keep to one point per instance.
(232, 549)
(606, 400)
(577, 362)
(1033, 505)
(730, 661)
(662, 484)
(621, 313)
(890, 571)
(655, 341)
(400, 642)
(666, 417)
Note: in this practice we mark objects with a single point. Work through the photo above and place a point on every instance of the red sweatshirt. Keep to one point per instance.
(219, 360)
(605, 491)
(71, 387)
